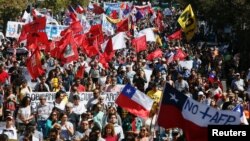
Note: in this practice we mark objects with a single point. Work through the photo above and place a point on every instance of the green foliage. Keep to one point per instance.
(60, 5)
(10, 10)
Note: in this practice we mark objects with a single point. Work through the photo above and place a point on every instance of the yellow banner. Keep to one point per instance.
(187, 22)
(113, 21)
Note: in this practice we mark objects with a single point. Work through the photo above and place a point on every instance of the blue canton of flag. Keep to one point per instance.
(128, 91)
(239, 108)
(174, 97)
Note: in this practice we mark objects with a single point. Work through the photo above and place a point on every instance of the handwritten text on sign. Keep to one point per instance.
(204, 115)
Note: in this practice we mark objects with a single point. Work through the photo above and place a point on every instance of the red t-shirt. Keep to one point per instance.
(111, 138)
(81, 88)
(3, 77)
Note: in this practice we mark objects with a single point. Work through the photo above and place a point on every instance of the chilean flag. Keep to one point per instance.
(134, 101)
(178, 110)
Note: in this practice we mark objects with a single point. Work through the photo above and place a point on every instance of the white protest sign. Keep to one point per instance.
(107, 27)
(150, 36)
(109, 97)
(85, 97)
(53, 31)
(14, 29)
(203, 115)
(186, 64)
(148, 73)
(119, 41)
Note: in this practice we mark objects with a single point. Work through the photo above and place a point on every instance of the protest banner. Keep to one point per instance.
(84, 97)
(107, 27)
(14, 29)
(53, 31)
(186, 64)
(110, 97)
(110, 7)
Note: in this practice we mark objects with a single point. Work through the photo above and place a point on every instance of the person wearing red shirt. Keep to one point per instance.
(3, 75)
(80, 87)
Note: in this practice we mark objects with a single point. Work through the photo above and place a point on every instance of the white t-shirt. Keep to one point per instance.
(64, 132)
(79, 109)
(10, 132)
(25, 112)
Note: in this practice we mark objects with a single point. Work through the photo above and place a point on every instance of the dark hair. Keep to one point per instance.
(59, 93)
(4, 137)
(24, 100)
(54, 130)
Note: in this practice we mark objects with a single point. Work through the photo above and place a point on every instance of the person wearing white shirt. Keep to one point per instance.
(58, 103)
(78, 107)
(9, 129)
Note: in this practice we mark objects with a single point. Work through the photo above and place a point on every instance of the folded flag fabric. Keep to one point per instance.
(178, 110)
(239, 108)
(134, 101)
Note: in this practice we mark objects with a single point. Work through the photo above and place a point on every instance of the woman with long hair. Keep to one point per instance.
(50, 122)
(109, 133)
(143, 134)
(67, 129)
(24, 114)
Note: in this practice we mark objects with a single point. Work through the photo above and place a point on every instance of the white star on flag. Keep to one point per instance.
(128, 91)
(173, 97)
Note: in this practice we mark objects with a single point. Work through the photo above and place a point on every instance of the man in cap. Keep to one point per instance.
(9, 129)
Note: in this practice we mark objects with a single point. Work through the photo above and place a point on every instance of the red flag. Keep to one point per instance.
(38, 38)
(122, 26)
(103, 61)
(158, 21)
(180, 55)
(177, 35)
(114, 14)
(36, 26)
(80, 72)
(74, 27)
(97, 9)
(51, 46)
(96, 32)
(92, 50)
(34, 65)
(80, 38)
(157, 53)
(109, 53)
(68, 50)
(96, 29)
(79, 9)
(140, 43)
(23, 35)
